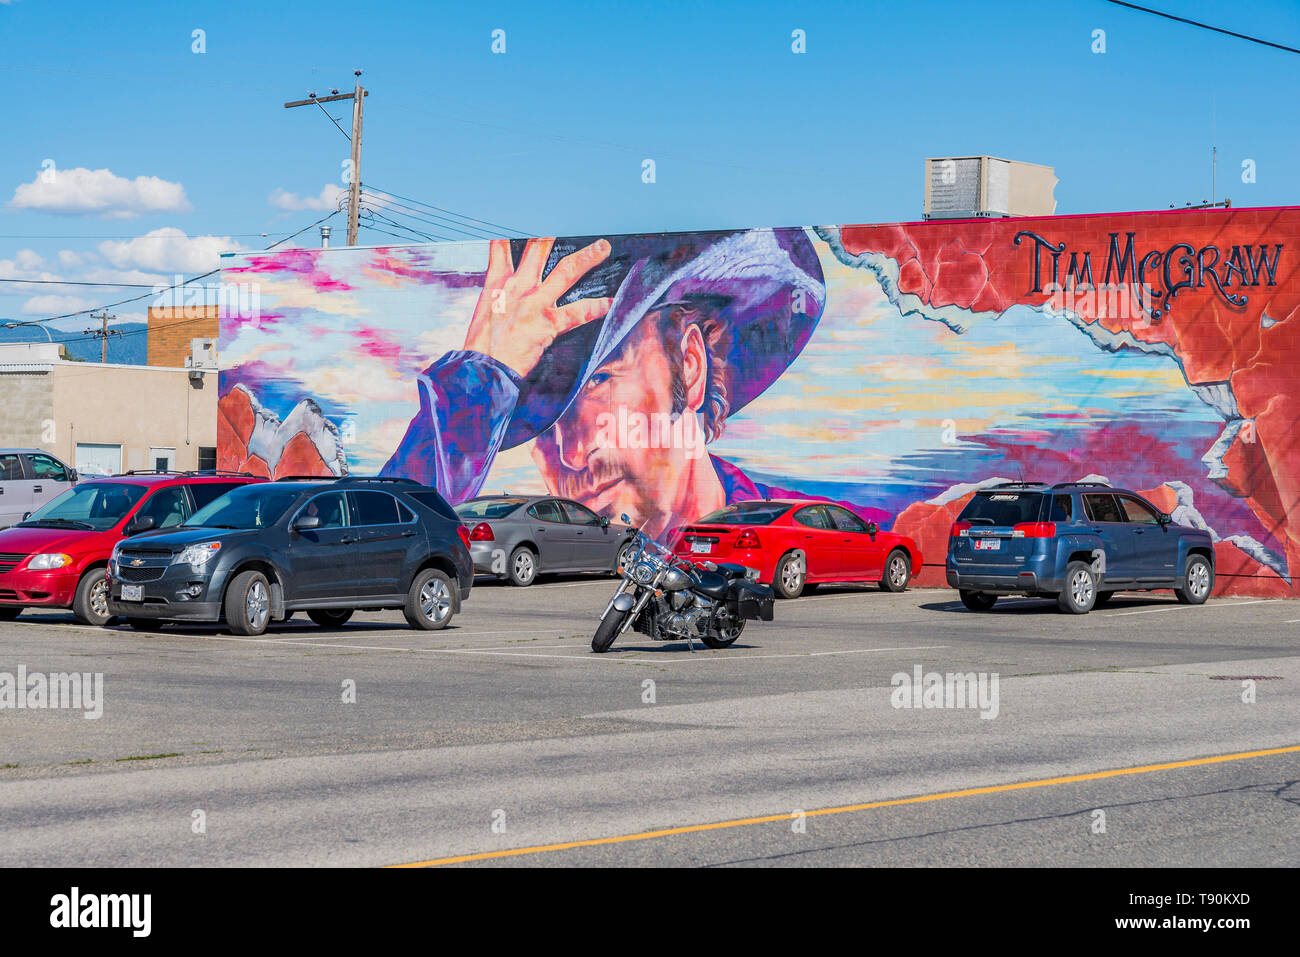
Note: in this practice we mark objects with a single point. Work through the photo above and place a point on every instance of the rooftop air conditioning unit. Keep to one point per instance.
(985, 187)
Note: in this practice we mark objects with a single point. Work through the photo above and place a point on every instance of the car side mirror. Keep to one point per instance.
(604, 522)
(872, 528)
(304, 522)
(73, 476)
(141, 523)
(1166, 518)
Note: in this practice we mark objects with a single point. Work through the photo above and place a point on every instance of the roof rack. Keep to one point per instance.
(1016, 484)
(221, 472)
(306, 478)
(1085, 484)
(377, 478)
(153, 472)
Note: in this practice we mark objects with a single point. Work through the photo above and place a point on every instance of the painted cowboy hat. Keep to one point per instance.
(765, 284)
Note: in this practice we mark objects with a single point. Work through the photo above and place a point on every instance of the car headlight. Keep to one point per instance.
(47, 560)
(197, 554)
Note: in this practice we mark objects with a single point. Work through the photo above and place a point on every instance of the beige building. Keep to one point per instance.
(107, 418)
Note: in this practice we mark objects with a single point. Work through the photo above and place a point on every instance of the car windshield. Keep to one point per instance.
(90, 505)
(488, 507)
(1002, 508)
(747, 513)
(249, 506)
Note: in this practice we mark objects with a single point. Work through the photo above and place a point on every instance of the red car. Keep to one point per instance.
(795, 544)
(57, 557)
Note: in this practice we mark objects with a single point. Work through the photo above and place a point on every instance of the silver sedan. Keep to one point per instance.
(519, 536)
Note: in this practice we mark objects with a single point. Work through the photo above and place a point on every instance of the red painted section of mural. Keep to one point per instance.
(1251, 346)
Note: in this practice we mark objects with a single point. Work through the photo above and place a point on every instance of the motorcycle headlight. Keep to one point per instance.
(643, 573)
(47, 560)
(197, 554)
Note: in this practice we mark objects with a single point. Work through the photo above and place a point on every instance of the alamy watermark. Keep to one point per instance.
(37, 691)
(241, 300)
(951, 690)
(630, 429)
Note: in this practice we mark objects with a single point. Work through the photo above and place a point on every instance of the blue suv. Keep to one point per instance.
(1077, 542)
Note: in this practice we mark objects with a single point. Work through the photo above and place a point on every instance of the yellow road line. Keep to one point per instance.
(921, 799)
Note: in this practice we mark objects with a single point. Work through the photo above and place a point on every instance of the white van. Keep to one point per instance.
(28, 479)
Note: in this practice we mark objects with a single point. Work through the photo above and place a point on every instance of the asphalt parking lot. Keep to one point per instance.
(504, 740)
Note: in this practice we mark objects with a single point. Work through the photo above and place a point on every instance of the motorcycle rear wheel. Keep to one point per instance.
(608, 630)
(728, 638)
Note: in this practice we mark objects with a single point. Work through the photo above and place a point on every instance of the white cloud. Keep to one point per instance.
(70, 259)
(168, 250)
(52, 304)
(292, 202)
(100, 192)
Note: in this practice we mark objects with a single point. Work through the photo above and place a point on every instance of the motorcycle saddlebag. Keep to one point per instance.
(750, 600)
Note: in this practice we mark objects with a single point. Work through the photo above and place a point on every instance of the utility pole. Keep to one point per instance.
(102, 333)
(357, 96)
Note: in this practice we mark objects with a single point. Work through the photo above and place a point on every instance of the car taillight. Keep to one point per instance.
(959, 530)
(463, 532)
(747, 539)
(1034, 530)
(482, 533)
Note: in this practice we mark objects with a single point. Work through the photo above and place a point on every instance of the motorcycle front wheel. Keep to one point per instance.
(608, 630)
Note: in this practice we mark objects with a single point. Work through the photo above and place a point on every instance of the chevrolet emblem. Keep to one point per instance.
(137, 561)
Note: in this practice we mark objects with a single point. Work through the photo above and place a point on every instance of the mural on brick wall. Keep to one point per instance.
(893, 369)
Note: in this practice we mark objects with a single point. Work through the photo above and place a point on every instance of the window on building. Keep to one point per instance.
(207, 458)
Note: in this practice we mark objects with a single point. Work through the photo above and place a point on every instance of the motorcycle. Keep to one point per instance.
(668, 598)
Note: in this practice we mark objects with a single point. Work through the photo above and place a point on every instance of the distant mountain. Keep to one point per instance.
(130, 348)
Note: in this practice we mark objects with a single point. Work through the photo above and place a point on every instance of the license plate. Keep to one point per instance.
(987, 544)
(701, 548)
(132, 593)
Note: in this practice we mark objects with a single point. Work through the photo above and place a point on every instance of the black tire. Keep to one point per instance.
(9, 614)
(1198, 581)
(790, 575)
(1080, 593)
(729, 639)
(90, 603)
(247, 605)
(330, 617)
(143, 624)
(608, 630)
(522, 567)
(977, 600)
(1103, 597)
(898, 571)
(430, 601)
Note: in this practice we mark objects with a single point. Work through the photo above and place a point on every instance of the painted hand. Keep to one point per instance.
(516, 317)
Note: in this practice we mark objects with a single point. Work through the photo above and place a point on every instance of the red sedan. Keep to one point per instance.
(794, 544)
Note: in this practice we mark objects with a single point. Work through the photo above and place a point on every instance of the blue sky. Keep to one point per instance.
(550, 137)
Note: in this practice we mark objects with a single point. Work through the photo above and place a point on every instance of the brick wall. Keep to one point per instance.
(172, 328)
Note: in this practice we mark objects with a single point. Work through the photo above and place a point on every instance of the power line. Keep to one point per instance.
(472, 219)
(400, 209)
(136, 238)
(73, 282)
(414, 232)
(183, 282)
(1203, 26)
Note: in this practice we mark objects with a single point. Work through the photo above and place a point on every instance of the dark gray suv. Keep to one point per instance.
(324, 546)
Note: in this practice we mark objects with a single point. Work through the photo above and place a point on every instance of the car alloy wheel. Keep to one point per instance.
(99, 597)
(435, 600)
(1198, 582)
(625, 557)
(257, 605)
(1081, 588)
